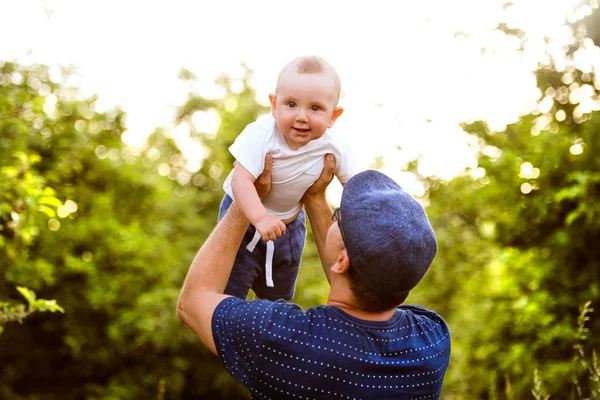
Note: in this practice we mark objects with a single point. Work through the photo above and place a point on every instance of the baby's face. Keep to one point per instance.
(304, 107)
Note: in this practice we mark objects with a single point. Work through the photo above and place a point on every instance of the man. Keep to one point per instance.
(362, 344)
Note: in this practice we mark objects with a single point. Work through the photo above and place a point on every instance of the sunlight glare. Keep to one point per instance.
(206, 122)
(576, 149)
(526, 188)
(415, 93)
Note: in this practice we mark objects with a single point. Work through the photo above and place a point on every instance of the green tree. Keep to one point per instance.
(517, 234)
(25, 198)
(109, 232)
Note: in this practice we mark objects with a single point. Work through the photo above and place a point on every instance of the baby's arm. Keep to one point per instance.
(244, 192)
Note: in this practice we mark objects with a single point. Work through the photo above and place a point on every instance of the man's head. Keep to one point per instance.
(388, 239)
(305, 102)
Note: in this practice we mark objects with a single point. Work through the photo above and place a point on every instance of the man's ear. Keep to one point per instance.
(273, 101)
(335, 115)
(341, 264)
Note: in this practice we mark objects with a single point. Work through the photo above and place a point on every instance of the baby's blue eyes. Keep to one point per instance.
(292, 104)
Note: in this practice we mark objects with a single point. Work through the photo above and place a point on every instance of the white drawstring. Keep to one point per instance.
(269, 258)
(253, 242)
(269, 263)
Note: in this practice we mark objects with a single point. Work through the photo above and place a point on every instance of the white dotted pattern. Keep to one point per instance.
(283, 328)
(357, 383)
(349, 371)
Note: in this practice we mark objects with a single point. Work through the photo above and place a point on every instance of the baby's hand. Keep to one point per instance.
(270, 227)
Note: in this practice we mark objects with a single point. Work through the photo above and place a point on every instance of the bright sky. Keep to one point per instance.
(407, 79)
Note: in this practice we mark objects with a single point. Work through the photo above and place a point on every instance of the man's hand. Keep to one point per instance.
(270, 227)
(318, 188)
(263, 182)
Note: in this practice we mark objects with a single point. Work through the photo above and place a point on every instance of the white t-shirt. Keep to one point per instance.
(293, 171)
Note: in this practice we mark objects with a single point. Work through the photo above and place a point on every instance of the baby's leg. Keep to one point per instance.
(286, 262)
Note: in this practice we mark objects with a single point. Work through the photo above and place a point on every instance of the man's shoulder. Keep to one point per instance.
(418, 310)
(424, 316)
(274, 308)
(291, 313)
(279, 312)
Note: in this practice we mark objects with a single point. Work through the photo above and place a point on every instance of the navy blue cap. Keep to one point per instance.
(389, 239)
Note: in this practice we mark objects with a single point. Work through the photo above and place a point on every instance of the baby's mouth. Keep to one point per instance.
(302, 130)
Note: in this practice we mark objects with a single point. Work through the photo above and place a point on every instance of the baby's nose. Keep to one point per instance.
(301, 115)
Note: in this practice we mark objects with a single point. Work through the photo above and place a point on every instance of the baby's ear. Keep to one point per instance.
(273, 101)
(335, 115)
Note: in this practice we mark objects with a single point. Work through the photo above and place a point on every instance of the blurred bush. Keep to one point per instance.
(518, 239)
(108, 231)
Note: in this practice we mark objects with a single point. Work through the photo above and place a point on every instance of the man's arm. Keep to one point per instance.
(208, 275)
(319, 212)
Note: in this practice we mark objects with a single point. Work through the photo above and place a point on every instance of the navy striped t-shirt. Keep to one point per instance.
(278, 350)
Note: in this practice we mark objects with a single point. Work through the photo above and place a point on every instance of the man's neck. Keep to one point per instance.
(341, 296)
(358, 312)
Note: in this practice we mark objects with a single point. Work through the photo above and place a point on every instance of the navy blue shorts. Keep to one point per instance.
(249, 267)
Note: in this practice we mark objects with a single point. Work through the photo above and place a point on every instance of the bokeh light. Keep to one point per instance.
(526, 188)
(53, 225)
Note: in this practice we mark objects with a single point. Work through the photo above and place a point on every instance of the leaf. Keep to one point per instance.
(47, 210)
(48, 191)
(573, 215)
(570, 192)
(49, 305)
(35, 158)
(28, 294)
(52, 201)
(9, 172)
(22, 157)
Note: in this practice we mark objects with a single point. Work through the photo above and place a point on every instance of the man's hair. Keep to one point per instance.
(312, 65)
(368, 298)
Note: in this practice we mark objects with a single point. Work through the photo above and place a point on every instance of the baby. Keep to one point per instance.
(297, 135)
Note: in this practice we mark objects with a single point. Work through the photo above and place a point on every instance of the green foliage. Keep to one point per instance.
(88, 221)
(26, 201)
(518, 248)
(515, 260)
(39, 304)
(584, 369)
(18, 312)
(538, 391)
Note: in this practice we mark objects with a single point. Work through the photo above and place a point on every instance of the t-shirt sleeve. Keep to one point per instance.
(345, 163)
(238, 327)
(249, 148)
(431, 315)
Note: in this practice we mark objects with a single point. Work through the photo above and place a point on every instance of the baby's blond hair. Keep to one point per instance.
(312, 65)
